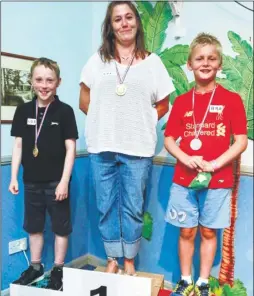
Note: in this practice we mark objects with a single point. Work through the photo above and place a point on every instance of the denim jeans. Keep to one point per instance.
(120, 182)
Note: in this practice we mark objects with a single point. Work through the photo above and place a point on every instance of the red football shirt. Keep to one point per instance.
(226, 117)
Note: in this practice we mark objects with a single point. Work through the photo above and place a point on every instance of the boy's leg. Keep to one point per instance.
(186, 249)
(61, 246)
(207, 250)
(36, 241)
(34, 219)
(183, 212)
(214, 205)
(60, 215)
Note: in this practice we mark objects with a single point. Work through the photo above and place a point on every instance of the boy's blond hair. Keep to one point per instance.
(47, 63)
(205, 39)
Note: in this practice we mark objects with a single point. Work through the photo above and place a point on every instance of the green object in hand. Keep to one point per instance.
(201, 181)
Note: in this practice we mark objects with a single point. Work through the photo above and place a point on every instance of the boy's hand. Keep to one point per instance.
(14, 187)
(208, 167)
(62, 190)
(194, 163)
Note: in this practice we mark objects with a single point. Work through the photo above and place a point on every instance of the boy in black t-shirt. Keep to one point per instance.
(45, 134)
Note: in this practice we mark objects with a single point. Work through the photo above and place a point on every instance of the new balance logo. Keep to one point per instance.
(221, 130)
(188, 114)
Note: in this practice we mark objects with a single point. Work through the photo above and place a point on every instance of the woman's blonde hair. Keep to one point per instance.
(205, 39)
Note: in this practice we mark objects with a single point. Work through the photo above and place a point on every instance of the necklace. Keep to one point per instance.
(125, 58)
(37, 131)
(196, 143)
(121, 88)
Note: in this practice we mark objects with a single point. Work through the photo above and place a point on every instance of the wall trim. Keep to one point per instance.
(246, 170)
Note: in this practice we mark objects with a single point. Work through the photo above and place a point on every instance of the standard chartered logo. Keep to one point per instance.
(210, 129)
(221, 130)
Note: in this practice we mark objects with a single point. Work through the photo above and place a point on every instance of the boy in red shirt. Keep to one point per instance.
(204, 118)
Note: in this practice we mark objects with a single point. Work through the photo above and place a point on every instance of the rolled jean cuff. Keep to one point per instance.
(131, 249)
(114, 249)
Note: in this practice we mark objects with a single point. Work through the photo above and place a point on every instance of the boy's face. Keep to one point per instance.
(45, 83)
(205, 62)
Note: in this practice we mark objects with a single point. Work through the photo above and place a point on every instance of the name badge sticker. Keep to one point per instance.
(216, 108)
(31, 121)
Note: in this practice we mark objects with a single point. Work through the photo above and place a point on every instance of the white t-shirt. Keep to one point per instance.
(124, 124)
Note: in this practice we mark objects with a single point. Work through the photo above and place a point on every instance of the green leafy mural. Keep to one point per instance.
(237, 289)
(239, 75)
(147, 226)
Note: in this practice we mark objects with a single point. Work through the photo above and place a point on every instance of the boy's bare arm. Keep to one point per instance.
(62, 188)
(84, 98)
(192, 162)
(162, 107)
(239, 146)
(15, 164)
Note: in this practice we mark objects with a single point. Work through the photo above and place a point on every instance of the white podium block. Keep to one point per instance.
(157, 279)
(93, 283)
(18, 290)
(78, 282)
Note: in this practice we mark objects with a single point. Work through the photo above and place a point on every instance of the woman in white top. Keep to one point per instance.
(124, 91)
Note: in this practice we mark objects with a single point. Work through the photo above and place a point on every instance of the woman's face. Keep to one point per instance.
(124, 24)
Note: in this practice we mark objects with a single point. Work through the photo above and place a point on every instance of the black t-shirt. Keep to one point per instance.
(59, 125)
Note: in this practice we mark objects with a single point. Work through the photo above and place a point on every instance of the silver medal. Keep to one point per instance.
(195, 144)
(121, 89)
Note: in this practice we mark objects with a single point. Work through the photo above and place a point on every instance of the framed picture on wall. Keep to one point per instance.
(15, 84)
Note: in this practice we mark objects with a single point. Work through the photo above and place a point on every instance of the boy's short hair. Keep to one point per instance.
(204, 39)
(47, 63)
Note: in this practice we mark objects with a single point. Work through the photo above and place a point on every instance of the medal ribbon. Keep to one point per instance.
(204, 118)
(121, 80)
(37, 132)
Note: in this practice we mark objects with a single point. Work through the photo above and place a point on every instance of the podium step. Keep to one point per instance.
(157, 280)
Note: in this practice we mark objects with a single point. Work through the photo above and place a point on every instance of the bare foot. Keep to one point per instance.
(129, 267)
(112, 266)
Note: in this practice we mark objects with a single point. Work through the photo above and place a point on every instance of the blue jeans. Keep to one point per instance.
(120, 182)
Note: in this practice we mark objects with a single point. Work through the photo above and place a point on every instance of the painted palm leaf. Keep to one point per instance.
(177, 54)
(237, 290)
(246, 92)
(147, 226)
(226, 83)
(239, 75)
(155, 30)
(242, 47)
(179, 77)
(232, 69)
(145, 9)
(173, 58)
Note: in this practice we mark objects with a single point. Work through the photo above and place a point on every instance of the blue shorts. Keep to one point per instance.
(188, 208)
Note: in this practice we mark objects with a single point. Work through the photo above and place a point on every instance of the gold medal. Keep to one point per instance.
(35, 151)
(121, 89)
